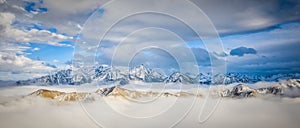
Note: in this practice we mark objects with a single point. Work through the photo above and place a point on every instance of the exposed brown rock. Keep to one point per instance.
(61, 96)
(115, 91)
(47, 93)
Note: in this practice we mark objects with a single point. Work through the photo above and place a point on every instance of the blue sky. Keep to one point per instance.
(51, 54)
(40, 36)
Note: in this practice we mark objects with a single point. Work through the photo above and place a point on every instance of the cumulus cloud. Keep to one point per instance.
(10, 63)
(67, 15)
(246, 15)
(10, 33)
(14, 63)
(241, 51)
(14, 41)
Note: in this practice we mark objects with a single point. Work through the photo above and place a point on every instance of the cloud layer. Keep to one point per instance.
(19, 111)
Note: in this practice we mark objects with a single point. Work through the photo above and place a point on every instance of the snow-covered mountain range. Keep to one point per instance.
(105, 74)
(60, 77)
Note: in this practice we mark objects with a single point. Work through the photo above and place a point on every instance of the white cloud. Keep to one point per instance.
(65, 15)
(36, 49)
(145, 29)
(12, 34)
(55, 61)
(264, 112)
(21, 63)
(67, 7)
(2, 1)
(11, 63)
(231, 16)
(6, 19)
(12, 48)
(14, 43)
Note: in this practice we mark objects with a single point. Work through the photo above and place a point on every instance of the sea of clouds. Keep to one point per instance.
(17, 110)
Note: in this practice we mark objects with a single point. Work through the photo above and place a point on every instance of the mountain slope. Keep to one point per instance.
(108, 75)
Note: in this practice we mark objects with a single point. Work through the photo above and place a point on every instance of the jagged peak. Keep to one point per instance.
(106, 74)
(178, 77)
(145, 74)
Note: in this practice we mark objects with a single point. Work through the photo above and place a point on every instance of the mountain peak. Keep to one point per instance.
(145, 74)
(178, 77)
